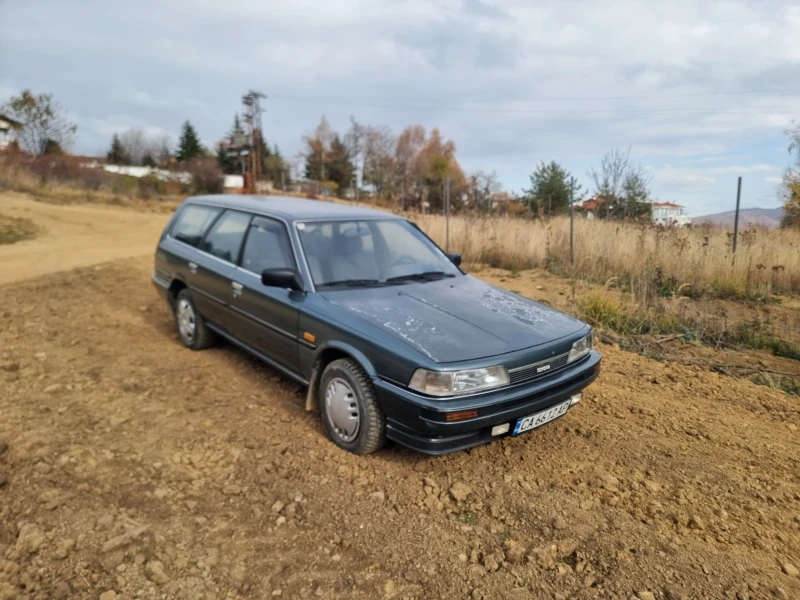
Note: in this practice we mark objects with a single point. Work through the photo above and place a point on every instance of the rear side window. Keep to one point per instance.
(267, 247)
(192, 222)
(225, 237)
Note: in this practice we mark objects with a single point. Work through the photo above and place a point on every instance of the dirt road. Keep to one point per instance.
(131, 467)
(74, 236)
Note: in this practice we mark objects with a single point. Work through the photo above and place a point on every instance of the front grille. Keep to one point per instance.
(537, 370)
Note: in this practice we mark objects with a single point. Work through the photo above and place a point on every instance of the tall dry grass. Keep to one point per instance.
(651, 261)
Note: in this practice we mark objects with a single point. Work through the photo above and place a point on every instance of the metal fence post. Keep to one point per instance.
(447, 213)
(571, 230)
(736, 218)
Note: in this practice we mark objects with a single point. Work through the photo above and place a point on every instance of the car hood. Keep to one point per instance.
(456, 319)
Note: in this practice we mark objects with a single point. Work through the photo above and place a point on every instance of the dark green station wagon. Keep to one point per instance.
(392, 339)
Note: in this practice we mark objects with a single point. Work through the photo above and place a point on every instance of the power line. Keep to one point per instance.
(754, 110)
(582, 98)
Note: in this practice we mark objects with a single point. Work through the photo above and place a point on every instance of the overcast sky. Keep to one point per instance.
(701, 91)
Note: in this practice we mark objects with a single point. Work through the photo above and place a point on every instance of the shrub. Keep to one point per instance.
(207, 177)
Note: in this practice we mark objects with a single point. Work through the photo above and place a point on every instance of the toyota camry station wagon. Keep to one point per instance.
(392, 339)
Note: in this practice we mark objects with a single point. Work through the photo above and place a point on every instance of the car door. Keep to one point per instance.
(215, 266)
(178, 252)
(266, 317)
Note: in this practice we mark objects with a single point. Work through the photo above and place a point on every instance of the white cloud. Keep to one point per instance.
(773, 179)
(670, 176)
(759, 168)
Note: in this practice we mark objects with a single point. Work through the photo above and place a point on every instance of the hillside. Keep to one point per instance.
(763, 217)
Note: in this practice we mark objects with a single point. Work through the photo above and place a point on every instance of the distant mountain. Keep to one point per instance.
(762, 217)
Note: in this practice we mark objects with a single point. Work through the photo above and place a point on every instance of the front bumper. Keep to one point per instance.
(418, 422)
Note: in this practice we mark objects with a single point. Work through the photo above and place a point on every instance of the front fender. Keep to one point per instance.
(351, 350)
(339, 346)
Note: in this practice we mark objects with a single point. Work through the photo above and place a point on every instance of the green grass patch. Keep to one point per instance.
(16, 230)
(755, 334)
(468, 518)
(601, 310)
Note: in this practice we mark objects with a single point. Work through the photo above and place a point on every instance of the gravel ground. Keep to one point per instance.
(133, 468)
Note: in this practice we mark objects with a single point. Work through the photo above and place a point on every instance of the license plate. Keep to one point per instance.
(540, 418)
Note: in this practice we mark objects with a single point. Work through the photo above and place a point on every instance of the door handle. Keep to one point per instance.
(192, 267)
(237, 288)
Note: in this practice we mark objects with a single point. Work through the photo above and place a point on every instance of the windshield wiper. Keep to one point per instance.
(424, 276)
(350, 283)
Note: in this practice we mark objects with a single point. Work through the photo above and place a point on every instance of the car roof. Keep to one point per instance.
(291, 208)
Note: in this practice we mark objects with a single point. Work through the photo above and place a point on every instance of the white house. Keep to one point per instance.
(669, 214)
(6, 125)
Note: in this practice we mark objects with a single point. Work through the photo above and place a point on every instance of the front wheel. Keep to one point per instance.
(348, 407)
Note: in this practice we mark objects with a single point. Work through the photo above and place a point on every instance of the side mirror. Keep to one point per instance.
(455, 258)
(282, 278)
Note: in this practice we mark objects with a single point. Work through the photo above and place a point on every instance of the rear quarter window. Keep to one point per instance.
(225, 237)
(192, 223)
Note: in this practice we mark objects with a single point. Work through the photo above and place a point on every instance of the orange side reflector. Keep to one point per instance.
(461, 415)
(309, 337)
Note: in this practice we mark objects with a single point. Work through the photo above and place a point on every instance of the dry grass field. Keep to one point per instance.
(649, 260)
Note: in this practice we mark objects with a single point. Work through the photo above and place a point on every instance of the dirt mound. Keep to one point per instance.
(133, 468)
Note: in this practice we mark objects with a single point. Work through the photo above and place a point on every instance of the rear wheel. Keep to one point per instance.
(192, 329)
(351, 414)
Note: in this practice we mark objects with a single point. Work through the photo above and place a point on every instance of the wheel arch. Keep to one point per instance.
(175, 287)
(327, 354)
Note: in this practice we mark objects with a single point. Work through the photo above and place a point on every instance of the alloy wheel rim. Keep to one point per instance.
(186, 320)
(341, 407)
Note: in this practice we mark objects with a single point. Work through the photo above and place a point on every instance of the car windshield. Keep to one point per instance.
(370, 253)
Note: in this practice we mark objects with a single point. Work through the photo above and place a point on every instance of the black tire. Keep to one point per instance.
(200, 336)
(371, 431)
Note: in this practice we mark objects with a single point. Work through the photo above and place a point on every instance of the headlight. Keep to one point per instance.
(581, 348)
(450, 383)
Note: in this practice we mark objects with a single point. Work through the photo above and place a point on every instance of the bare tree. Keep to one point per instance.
(43, 122)
(408, 169)
(624, 187)
(609, 179)
(136, 145)
(379, 147)
(354, 140)
(319, 147)
(482, 186)
(140, 149)
(163, 145)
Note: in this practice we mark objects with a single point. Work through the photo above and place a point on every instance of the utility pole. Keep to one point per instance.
(736, 218)
(252, 119)
(403, 195)
(571, 229)
(447, 212)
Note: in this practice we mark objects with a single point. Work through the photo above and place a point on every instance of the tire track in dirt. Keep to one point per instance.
(74, 236)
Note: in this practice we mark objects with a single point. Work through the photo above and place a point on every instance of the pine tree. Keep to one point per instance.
(227, 160)
(227, 148)
(276, 169)
(340, 167)
(116, 155)
(550, 189)
(189, 145)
